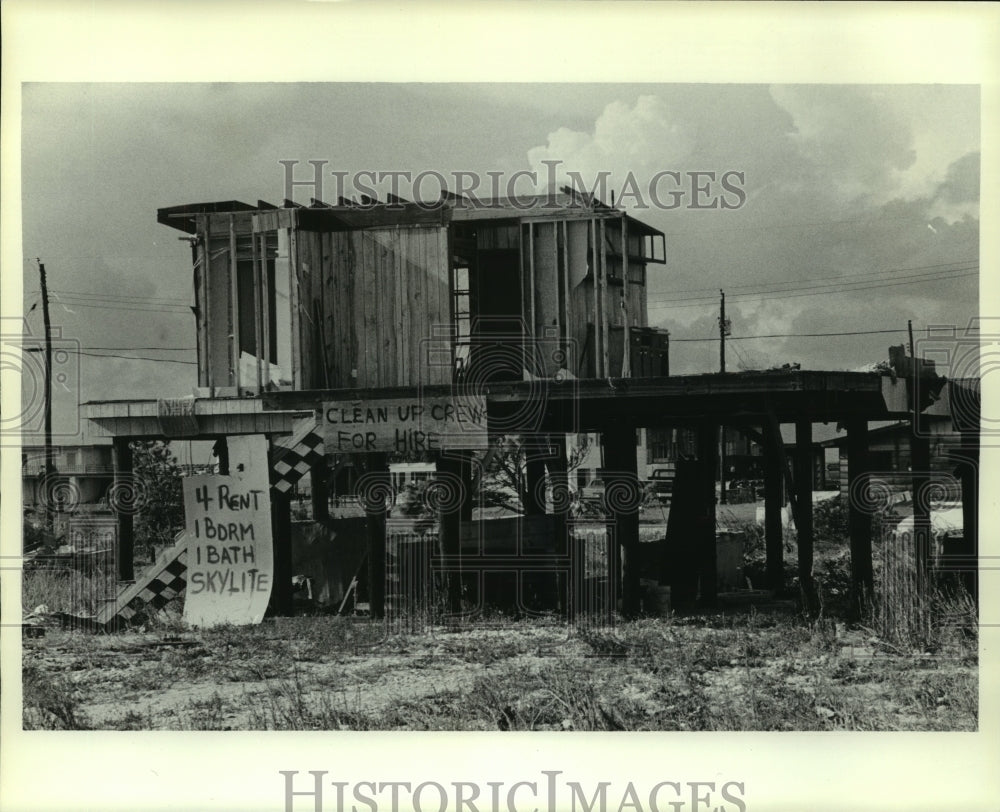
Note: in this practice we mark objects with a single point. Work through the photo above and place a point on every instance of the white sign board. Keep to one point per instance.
(405, 425)
(230, 561)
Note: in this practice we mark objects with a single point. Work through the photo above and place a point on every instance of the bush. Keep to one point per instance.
(830, 519)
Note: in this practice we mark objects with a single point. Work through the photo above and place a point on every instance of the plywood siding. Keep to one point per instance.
(547, 316)
(218, 311)
(380, 294)
(581, 297)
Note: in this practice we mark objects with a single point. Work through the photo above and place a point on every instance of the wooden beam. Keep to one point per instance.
(859, 521)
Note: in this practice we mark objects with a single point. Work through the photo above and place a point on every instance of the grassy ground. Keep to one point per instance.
(710, 672)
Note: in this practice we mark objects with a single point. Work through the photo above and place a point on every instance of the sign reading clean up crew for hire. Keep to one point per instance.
(405, 424)
(230, 561)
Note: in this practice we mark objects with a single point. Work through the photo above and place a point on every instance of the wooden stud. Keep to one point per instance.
(603, 263)
(627, 327)
(264, 351)
(293, 295)
(257, 306)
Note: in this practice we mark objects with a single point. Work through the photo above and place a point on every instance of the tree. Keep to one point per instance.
(505, 482)
(157, 496)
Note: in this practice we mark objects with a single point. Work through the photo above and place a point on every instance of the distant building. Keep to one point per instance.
(77, 489)
(87, 470)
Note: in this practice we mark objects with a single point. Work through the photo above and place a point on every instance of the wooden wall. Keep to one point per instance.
(372, 307)
(369, 303)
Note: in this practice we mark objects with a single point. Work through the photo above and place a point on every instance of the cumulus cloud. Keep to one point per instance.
(842, 184)
(637, 138)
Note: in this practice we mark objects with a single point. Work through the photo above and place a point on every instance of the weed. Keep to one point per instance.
(50, 702)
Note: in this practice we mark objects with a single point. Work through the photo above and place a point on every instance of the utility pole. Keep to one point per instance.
(47, 481)
(909, 329)
(723, 332)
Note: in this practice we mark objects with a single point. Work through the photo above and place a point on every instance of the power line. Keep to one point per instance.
(817, 224)
(941, 265)
(118, 296)
(135, 349)
(136, 357)
(794, 335)
(795, 293)
(163, 309)
(817, 284)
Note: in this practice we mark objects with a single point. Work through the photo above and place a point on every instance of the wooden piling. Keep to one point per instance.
(281, 540)
(708, 457)
(126, 525)
(622, 497)
(804, 517)
(451, 467)
(859, 520)
(376, 527)
(773, 503)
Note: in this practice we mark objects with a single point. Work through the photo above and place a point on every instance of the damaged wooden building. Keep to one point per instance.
(428, 331)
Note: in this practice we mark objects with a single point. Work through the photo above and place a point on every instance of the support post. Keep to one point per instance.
(920, 468)
(126, 526)
(375, 525)
(281, 535)
(859, 523)
(969, 476)
(623, 495)
(558, 465)
(773, 493)
(708, 457)
(534, 474)
(319, 475)
(804, 517)
(451, 528)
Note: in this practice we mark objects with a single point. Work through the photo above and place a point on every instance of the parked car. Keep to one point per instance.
(661, 484)
(593, 491)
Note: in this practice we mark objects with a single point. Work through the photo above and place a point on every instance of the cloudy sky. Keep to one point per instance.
(861, 203)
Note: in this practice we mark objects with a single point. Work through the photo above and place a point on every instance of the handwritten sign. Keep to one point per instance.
(228, 521)
(405, 425)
